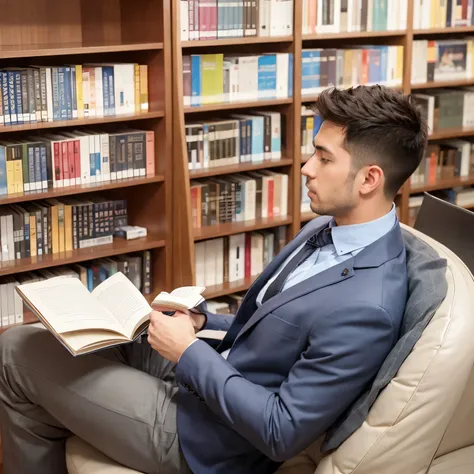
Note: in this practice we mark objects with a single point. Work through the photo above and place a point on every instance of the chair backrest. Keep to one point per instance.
(406, 424)
(451, 225)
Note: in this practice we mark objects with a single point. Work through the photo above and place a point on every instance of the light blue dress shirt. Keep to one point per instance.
(348, 241)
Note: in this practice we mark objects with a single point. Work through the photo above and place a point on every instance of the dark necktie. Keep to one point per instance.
(320, 239)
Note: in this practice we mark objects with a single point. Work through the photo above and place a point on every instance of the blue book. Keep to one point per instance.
(68, 92)
(55, 88)
(195, 80)
(306, 70)
(267, 79)
(374, 60)
(5, 98)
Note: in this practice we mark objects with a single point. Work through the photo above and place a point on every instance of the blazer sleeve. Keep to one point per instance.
(215, 321)
(342, 357)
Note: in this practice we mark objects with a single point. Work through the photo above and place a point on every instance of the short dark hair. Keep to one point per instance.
(382, 126)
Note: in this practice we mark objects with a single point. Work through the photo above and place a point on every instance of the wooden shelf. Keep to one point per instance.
(451, 133)
(434, 84)
(237, 105)
(118, 247)
(240, 168)
(61, 49)
(80, 122)
(236, 41)
(221, 230)
(443, 184)
(354, 35)
(79, 189)
(444, 31)
(308, 216)
(227, 288)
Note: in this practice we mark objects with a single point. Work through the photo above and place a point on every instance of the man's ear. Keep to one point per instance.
(372, 178)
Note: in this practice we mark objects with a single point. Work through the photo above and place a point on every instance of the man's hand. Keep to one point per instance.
(170, 335)
(197, 319)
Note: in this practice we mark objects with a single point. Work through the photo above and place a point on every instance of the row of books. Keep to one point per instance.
(447, 108)
(217, 19)
(136, 267)
(52, 226)
(49, 94)
(445, 160)
(351, 66)
(239, 197)
(72, 158)
(244, 138)
(338, 16)
(442, 13)
(444, 60)
(310, 124)
(228, 304)
(219, 78)
(228, 259)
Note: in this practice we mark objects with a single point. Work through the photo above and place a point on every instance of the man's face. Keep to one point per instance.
(330, 177)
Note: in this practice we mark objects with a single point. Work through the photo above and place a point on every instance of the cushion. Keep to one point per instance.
(457, 462)
(427, 288)
(82, 458)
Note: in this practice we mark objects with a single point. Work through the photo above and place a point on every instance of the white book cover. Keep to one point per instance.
(200, 259)
(184, 21)
(18, 305)
(283, 64)
(124, 77)
(4, 304)
(99, 93)
(209, 264)
(219, 253)
(11, 302)
(256, 253)
(105, 157)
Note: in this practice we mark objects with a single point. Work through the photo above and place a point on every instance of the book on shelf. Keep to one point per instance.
(223, 78)
(114, 313)
(242, 138)
(310, 125)
(136, 267)
(339, 16)
(239, 256)
(361, 65)
(70, 158)
(218, 19)
(38, 93)
(442, 60)
(447, 108)
(442, 14)
(239, 197)
(54, 226)
(446, 160)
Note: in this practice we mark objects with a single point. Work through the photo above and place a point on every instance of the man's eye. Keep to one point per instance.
(324, 160)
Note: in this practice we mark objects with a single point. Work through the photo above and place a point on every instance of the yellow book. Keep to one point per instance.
(11, 189)
(18, 168)
(399, 74)
(79, 94)
(212, 78)
(68, 244)
(33, 242)
(54, 224)
(137, 88)
(434, 13)
(144, 88)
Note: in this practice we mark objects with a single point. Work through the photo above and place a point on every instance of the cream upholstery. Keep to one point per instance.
(423, 421)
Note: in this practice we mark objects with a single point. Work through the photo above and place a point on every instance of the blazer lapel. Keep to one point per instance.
(331, 276)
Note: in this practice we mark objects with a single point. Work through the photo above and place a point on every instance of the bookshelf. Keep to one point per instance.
(52, 33)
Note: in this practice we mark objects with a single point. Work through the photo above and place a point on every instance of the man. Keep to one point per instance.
(308, 339)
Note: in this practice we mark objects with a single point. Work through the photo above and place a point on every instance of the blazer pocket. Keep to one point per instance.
(283, 328)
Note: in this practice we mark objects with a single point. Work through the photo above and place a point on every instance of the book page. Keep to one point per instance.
(180, 298)
(68, 306)
(188, 292)
(124, 301)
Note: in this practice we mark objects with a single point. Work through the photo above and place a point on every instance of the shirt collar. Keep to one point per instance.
(349, 238)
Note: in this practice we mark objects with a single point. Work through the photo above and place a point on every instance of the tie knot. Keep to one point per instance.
(322, 238)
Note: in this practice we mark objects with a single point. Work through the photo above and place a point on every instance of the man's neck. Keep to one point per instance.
(362, 215)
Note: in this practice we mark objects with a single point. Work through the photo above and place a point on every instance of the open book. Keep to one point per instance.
(114, 313)
(180, 299)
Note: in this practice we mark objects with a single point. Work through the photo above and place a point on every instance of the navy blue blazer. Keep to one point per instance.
(296, 363)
